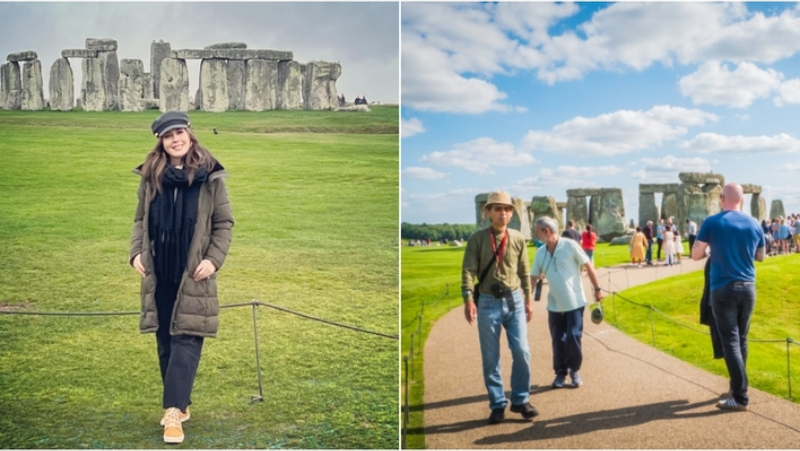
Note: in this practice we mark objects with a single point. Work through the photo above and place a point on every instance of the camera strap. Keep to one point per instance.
(498, 253)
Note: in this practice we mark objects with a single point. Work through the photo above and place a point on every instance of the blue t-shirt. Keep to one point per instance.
(734, 238)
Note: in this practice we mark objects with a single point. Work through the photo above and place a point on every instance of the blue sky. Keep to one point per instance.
(538, 98)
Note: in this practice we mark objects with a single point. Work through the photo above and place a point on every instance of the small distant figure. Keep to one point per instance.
(342, 100)
(361, 100)
(215, 131)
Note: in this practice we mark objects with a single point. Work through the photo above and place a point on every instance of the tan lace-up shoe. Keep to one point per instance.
(173, 430)
(183, 416)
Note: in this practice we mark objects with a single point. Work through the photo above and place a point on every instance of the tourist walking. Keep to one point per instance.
(181, 235)
(638, 247)
(588, 240)
(735, 239)
(648, 234)
(691, 232)
(570, 232)
(561, 262)
(498, 258)
(659, 238)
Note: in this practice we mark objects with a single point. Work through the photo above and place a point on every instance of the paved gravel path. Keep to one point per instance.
(633, 396)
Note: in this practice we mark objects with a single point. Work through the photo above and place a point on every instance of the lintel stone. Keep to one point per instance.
(233, 54)
(751, 189)
(583, 192)
(107, 45)
(666, 188)
(226, 45)
(27, 55)
(78, 53)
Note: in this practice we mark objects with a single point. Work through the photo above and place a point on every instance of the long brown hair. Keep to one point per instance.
(157, 161)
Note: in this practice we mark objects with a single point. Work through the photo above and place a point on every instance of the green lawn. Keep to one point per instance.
(314, 195)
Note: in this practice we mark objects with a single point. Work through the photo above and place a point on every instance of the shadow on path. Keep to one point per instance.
(469, 400)
(582, 423)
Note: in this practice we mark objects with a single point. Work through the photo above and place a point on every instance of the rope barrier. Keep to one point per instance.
(243, 304)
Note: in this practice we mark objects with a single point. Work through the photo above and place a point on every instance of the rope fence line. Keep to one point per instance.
(254, 304)
(788, 340)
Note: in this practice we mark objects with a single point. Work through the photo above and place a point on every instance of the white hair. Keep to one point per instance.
(546, 222)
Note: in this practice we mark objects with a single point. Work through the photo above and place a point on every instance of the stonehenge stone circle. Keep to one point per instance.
(62, 96)
(214, 84)
(174, 85)
(32, 85)
(610, 208)
(232, 77)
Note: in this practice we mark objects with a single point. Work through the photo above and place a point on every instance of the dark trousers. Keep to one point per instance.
(733, 306)
(691, 243)
(660, 242)
(648, 256)
(566, 329)
(178, 355)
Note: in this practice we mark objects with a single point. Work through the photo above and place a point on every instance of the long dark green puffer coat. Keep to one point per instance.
(196, 307)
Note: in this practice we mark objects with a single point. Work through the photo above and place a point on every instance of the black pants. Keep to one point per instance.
(178, 355)
(691, 243)
(660, 241)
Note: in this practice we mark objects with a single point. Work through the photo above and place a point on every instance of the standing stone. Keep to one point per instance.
(545, 206)
(158, 52)
(131, 85)
(174, 85)
(111, 71)
(290, 86)
(696, 207)
(319, 85)
(93, 96)
(147, 84)
(776, 209)
(648, 211)
(260, 85)
(214, 84)
(669, 205)
(32, 86)
(62, 86)
(713, 191)
(577, 211)
(520, 219)
(198, 99)
(758, 207)
(610, 214)
(594, 210)
(684, 190)
(11, 86)
(236, 79)
(480, 202)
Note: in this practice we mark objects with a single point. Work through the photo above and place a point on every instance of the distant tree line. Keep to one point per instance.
(436, 232)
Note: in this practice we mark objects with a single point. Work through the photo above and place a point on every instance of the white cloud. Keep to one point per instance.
(423, 173)
(666, 169)
(788, 93)
(448, 63)
(569, 176)
(714, 83)
(480, 156)
(619, 132)
(712, 142)
(411, 127)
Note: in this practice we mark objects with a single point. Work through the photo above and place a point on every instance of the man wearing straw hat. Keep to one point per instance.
(498, 258)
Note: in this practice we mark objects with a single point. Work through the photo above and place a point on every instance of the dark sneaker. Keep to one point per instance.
(527, 410)
(731, 404)
(725, 396)
(559, 381)
(497, 416)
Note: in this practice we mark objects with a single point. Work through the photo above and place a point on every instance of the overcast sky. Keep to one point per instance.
(538, 98)
(363, 37)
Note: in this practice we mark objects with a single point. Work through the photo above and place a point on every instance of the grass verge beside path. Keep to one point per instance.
(433, 273)
(301, 240)
(776, 317)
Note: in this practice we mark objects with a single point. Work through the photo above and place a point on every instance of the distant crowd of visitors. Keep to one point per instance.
(360, 100)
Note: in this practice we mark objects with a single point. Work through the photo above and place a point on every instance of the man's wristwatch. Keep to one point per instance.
(466, 295)
(597, 289)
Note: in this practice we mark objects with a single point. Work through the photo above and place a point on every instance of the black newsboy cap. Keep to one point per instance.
(169, 121)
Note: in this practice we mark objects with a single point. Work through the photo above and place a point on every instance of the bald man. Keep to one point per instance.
(735, 240)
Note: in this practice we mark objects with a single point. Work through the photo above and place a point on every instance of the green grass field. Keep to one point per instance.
(315, 198)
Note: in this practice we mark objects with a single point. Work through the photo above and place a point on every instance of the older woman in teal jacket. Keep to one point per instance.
(181, 235)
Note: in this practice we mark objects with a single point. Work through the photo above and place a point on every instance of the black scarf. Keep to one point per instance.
(173, 214)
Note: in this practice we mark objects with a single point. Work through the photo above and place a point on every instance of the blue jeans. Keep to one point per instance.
(590, 254)
(733, 306)
(566, 330)
(493, 314)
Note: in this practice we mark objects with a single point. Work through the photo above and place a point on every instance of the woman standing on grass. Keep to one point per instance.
(637, 247)
(588, 240)
(669, 246)
(181, 235)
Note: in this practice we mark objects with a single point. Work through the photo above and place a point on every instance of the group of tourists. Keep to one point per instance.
(503, 297)
(668, 239)
(783, 234)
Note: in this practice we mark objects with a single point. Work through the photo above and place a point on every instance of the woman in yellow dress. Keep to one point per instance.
(638, 247)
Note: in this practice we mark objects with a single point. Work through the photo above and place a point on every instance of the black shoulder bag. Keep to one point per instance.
(475, 293)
